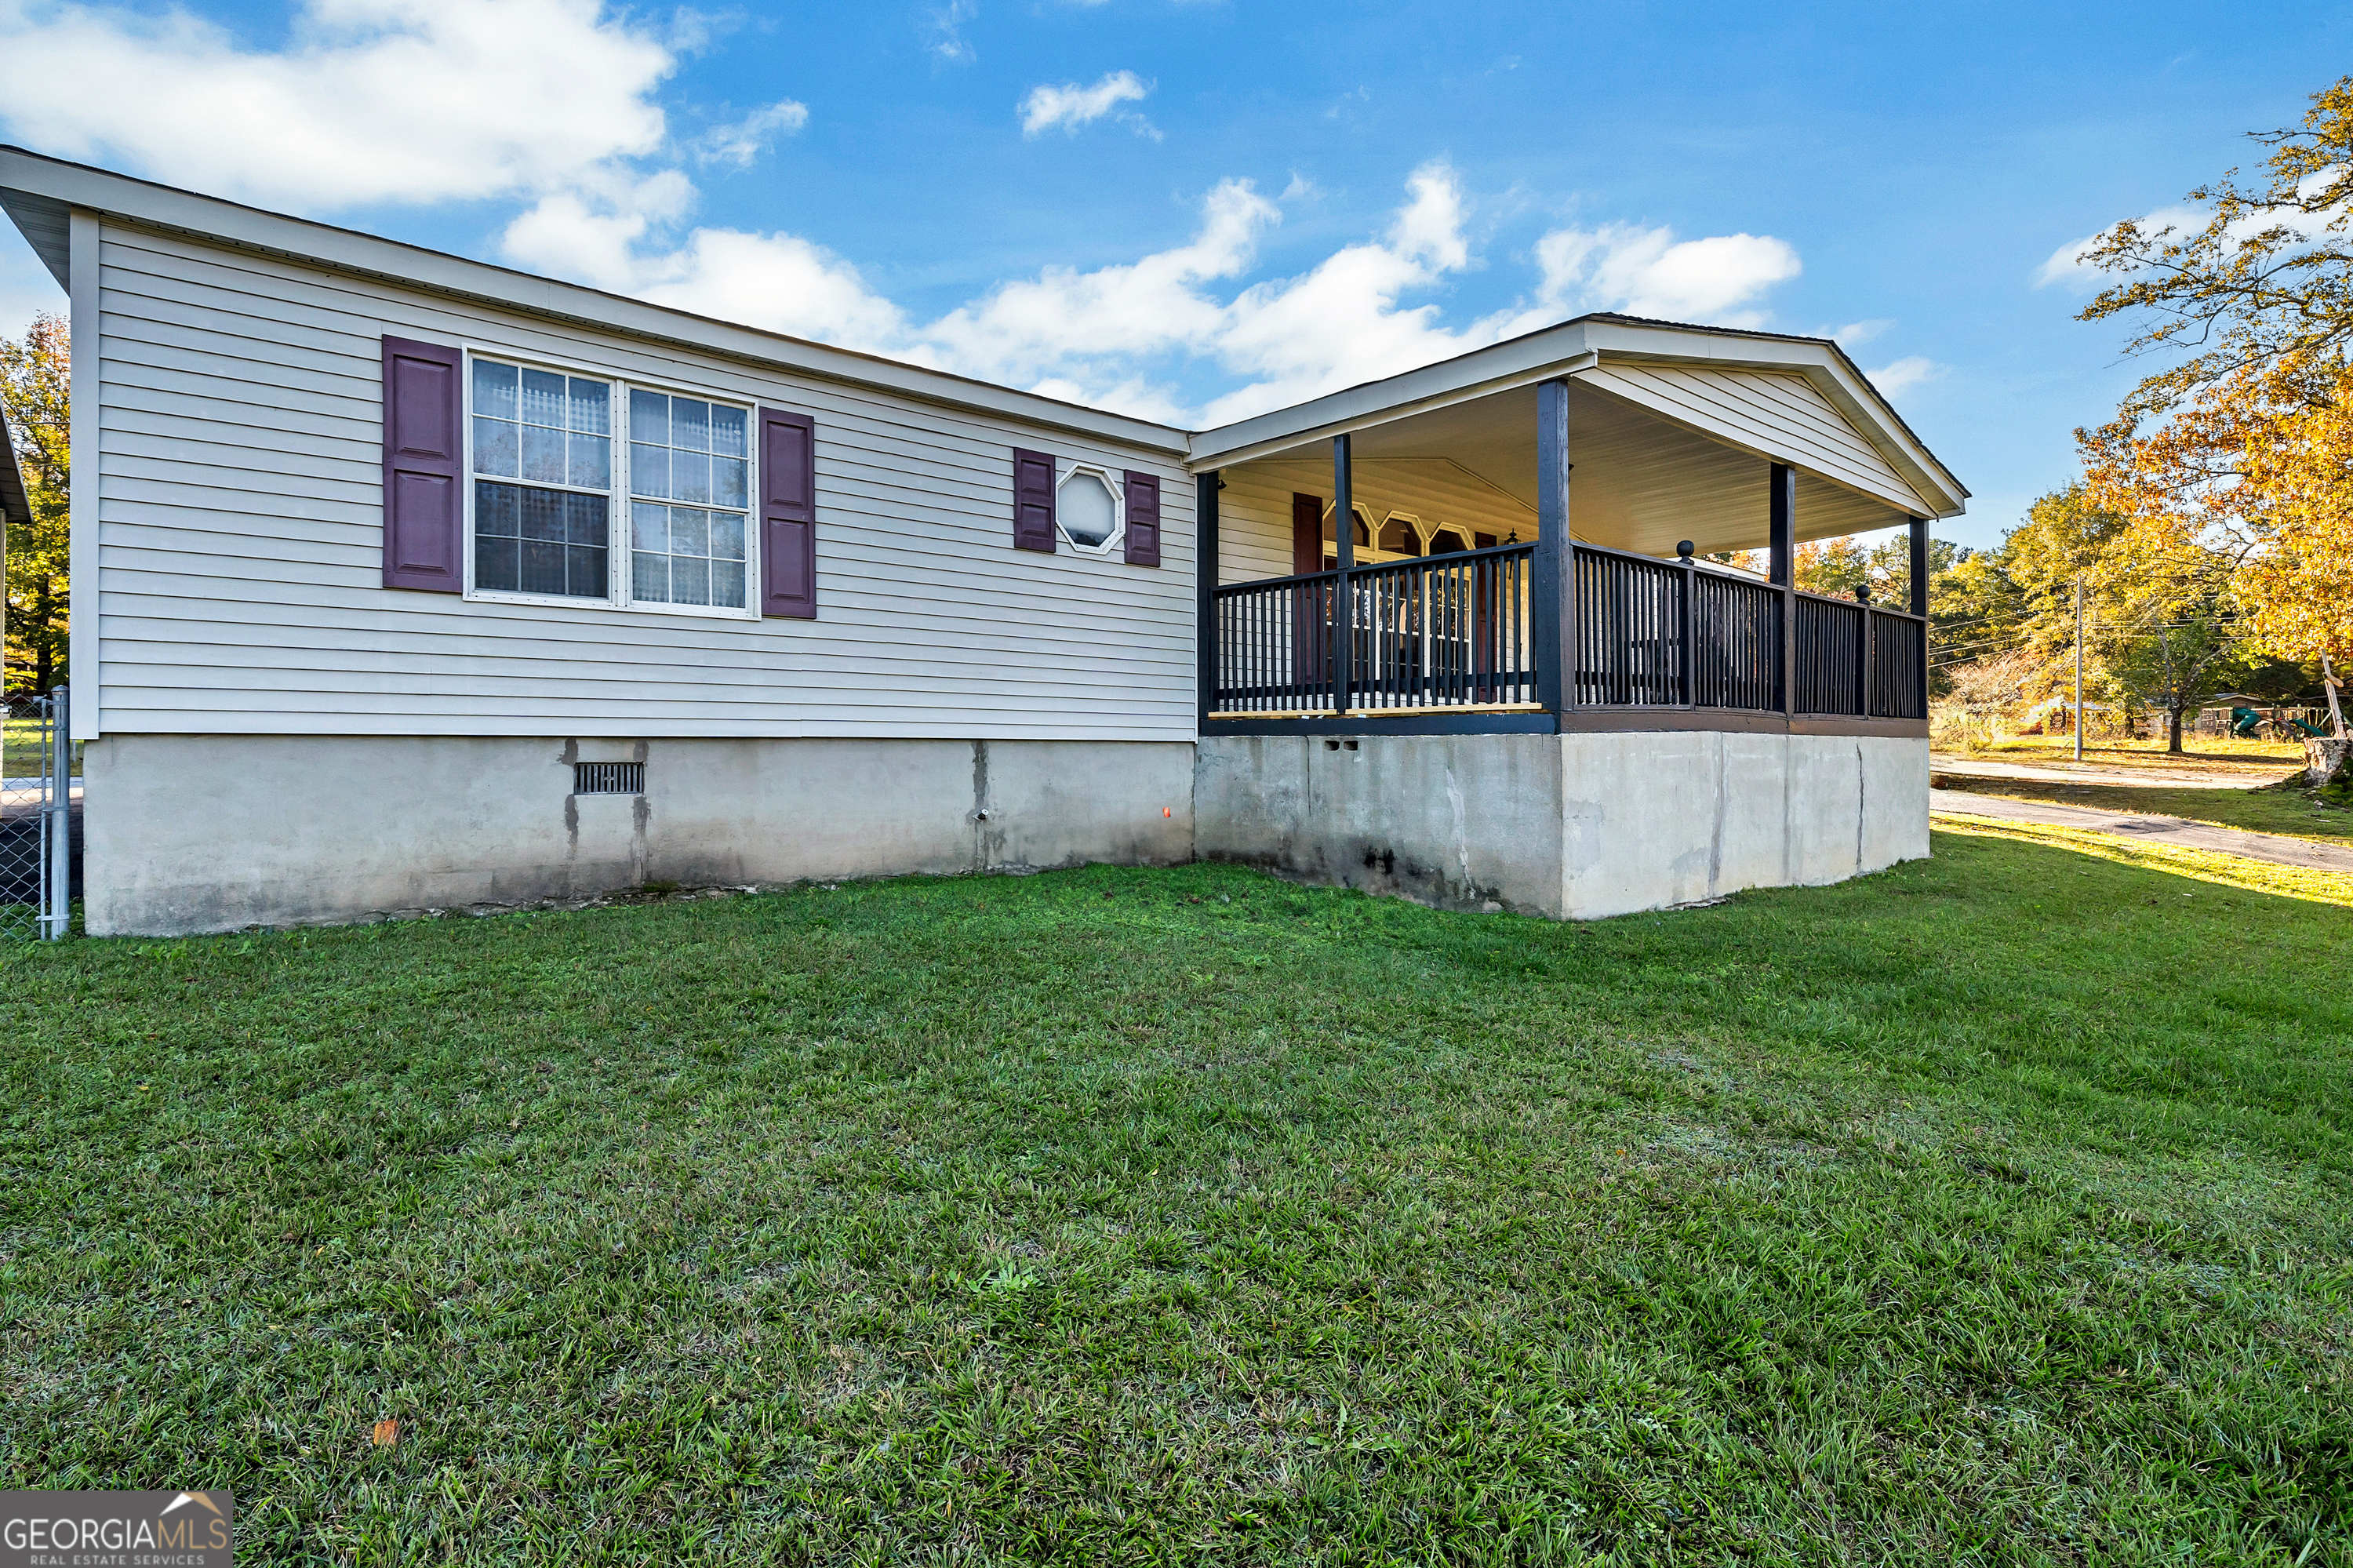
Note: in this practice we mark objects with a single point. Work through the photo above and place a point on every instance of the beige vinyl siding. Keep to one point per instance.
(1774, 412)
(240, 546)
(1254, 509)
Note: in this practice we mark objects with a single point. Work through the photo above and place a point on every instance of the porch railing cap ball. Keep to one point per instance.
(1684, 551)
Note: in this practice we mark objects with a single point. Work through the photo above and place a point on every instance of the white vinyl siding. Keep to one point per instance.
(240, 546)
(1769, 411)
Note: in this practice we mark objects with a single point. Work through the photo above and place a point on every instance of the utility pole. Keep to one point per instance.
(2079, 666)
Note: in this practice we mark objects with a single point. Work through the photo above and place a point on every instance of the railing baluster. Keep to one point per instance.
(1454, 632)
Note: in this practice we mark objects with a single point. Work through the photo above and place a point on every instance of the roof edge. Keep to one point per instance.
(16, 505)
(1562, 349)
(219, 221)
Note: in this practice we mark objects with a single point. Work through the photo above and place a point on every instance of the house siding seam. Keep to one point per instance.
(237, 489)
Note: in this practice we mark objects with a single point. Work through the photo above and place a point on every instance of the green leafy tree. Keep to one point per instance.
(2176, 647)
(2066, 539)
(1975, 610)
(1834, 567)
(34, 374)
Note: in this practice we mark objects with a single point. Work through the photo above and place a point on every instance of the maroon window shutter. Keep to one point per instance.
(424, 490)
(787, 515)
(1143, 519)
(1306, 533)
(1033, 500)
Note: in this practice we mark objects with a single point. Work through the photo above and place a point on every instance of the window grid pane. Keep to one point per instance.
(540, 427)
(686, 554)
(548, 542)
(687, 451)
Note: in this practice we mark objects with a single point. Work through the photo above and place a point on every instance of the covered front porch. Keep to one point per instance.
(1476, 587)
(1512, 544)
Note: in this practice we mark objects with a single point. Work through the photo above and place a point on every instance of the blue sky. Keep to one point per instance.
(1195, 209)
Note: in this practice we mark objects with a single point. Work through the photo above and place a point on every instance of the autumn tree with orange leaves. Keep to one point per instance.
(2241, 453)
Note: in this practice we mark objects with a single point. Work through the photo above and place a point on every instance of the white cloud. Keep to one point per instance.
(1904, 374)
(1648, 272)
(945, 26)
(1070, 106)
(741, 140)
(1343, 321)
(781, 283)
(1854, 335)
(1035, 325)
(404, 100)
(549, 105)
(591, 231)
(2064, 266)
(1115, 335)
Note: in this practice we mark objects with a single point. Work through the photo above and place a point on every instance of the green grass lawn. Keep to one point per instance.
(1995, 1209)
(2290, 812)
(20, 751)
(2260, 760)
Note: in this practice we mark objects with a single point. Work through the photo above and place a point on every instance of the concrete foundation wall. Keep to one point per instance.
(190, 833)
(1571, 826)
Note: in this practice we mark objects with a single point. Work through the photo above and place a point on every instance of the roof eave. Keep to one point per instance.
(1564, 349)
(16, 505)
(215, 221)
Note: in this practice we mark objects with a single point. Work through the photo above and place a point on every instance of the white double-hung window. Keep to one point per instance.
(552, 475)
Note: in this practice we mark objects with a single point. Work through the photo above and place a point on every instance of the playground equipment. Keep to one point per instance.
(2249, 724)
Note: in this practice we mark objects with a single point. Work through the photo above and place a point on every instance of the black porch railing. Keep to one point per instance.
(1452, 633)
(1442, 632)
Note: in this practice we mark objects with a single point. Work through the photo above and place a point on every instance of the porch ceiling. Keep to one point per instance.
(1641, 482)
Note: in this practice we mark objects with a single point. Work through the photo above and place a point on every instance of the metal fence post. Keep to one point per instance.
(57, 837)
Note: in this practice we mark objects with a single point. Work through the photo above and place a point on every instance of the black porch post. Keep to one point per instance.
(1344, 596)
(1551, 588)
(1205, 582)
(1920, 604)
(1919, 565)
(1782, 534)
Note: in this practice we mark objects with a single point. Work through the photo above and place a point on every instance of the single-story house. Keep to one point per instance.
(405, 581)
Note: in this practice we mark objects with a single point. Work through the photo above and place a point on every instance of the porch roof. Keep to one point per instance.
(14, 506)
(1669, 426)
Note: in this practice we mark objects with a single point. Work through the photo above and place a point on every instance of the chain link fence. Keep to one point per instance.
(40, 820)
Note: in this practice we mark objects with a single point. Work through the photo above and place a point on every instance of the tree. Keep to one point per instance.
(1975, 610)
(33, 397)
(2245, 447)
(2066, 538)
(2267, 282)
(1833, 566)
(2172, 644)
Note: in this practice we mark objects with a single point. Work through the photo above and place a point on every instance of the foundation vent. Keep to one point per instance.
(609, 778)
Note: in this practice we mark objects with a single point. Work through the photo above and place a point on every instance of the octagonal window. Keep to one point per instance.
(1086, 508)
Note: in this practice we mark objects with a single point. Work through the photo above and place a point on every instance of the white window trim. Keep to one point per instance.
(1118, 534)
(619, 522)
